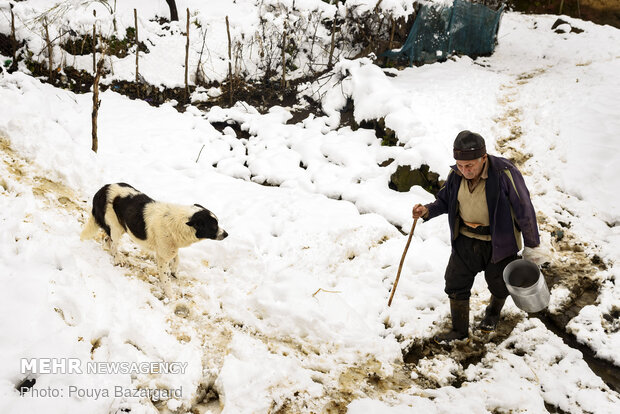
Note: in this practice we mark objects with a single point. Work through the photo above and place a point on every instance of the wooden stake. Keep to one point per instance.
(283, 83)
(94, 45)
(331, 47)
(377, 5)
(391, 38)
(50, 52)
(114, 18)
(96, 103)
(392, 33)
(402, 260)
(187, 60)
(230, 76)
(135, 19)
(13, 39)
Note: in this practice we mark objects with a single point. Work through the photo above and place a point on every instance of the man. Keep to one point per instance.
(488, 208)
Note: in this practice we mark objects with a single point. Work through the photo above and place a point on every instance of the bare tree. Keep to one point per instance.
(174, 15)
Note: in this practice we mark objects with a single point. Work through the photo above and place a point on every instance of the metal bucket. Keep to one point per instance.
(526, 285)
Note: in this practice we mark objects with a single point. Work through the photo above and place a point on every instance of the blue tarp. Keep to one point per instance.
(440, 31)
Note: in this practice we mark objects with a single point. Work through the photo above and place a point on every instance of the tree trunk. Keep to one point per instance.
(174, 15)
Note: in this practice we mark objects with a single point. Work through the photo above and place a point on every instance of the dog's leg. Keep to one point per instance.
(115, 238)
(90, 228)
(107, 243)
(164, 257)
(174, 266)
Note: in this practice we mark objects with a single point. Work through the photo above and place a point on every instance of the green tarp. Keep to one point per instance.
(440, 31)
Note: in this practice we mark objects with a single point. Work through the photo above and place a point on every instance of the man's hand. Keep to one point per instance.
(419, 211)
(538, 255)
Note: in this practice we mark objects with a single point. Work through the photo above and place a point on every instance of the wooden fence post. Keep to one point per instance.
(283, 83)
(50, 52)
(387, 60)
(331, 47)
(96, 103)
(230, 76)
(135, 19)
(187, 60)
(392, 33)
(13, 39)
(94, 44)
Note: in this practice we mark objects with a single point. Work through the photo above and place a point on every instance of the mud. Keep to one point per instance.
(54, 193)
(597, 11)
(365, 381)
(511, 118)
(608, 372)
(575, 265)
(240, 133)
(405, 177)
(464, 353)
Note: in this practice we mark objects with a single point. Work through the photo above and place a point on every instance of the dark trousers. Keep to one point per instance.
(469, 257)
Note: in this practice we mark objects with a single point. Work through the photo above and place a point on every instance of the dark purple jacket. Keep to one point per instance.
(508, 199)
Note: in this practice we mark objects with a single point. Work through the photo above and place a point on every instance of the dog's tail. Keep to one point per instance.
(90, 228)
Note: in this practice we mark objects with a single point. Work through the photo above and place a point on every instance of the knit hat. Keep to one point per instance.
(468, 146)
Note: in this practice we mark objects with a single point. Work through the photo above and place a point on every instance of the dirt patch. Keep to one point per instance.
(349, 385)
(463, 353)
(364, 380)
(508, 145)
(260, 94)
(153, 95)
(54, 193)
(404, 178)
(386, 135)
(572, 267)
(575, 267)
(611, 321)
(597, 11)
(83, 45)
(239, 132)
(78, 81)
(10, 159)
(608, 372)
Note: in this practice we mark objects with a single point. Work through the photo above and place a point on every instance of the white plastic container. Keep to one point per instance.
(526, 285)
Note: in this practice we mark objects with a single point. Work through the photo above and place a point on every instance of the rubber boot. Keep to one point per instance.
(491, 314)
(460, 323)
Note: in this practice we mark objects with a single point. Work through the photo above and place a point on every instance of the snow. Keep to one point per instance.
(289, 312)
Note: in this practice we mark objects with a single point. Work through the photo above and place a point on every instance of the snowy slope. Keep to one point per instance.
(289, 312)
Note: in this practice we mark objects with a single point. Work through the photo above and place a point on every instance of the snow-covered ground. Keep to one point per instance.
(290, 311)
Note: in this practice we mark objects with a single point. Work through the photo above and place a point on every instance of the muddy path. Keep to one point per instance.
(575, 264)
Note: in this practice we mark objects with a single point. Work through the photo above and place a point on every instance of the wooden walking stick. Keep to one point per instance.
(402, 260)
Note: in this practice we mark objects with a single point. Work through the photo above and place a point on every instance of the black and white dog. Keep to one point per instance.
(159, 227)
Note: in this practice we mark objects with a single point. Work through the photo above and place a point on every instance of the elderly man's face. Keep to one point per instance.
(471, 169)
